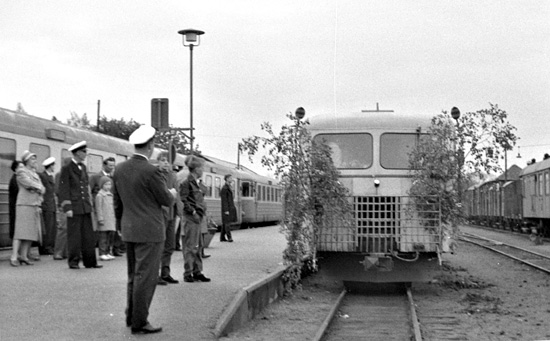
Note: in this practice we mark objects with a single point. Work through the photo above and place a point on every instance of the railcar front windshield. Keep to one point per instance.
(395, 150)
(349, 151)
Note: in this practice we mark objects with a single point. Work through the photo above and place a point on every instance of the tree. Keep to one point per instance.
(20, 108)
(79, 121)
(179, 140)
(117, 127)
(449, 156)
(311, 191)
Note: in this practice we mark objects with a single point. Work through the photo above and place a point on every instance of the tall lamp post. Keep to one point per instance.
(455, 114)
(191, 38)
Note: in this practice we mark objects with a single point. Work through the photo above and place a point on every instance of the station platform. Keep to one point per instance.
(49, 301)
(521, 240)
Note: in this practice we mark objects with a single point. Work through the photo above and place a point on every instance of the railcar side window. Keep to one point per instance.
(217, 186)
(42, 153)
(547, 182)
(7, 155)
(395, 150)
(94, 163)
(246, 189)
(120, 158)
(349, 151)
(259, 194)
(208, 184)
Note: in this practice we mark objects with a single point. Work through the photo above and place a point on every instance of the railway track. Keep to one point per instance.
(533, 259)
(380, 315)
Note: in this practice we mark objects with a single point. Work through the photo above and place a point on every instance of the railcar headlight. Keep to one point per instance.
(376, 183)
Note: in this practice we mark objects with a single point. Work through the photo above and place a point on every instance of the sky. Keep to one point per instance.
(260, 60)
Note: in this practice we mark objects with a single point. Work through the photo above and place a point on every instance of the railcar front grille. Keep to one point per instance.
(384, 225)
(378, 223)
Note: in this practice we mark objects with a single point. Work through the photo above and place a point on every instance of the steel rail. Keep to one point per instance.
(469, 235)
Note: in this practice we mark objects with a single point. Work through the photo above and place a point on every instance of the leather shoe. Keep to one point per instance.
(205, 256)
(223, 240)
(57, 258)
(97, 266)
(147, 329)
(74, 267)
(169, 279)
(188, 279)
(230, 240)
(201, 278)
(161, 281)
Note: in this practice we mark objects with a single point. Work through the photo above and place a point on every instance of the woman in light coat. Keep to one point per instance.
(27, 211)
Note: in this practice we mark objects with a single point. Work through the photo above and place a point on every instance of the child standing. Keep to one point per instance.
(105, 218)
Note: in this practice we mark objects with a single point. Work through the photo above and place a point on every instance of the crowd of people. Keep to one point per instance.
(134, 207)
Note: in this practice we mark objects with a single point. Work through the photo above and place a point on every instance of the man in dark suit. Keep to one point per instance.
(48, 207)
(229, 212)
(139, 193)
(75, 199)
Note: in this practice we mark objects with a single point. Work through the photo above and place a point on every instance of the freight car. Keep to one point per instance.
(521, 203)
(257, 198)
(392, 237)
(496, 202)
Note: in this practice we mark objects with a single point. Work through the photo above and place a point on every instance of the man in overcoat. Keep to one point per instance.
(75, 199)
(48, 207)
(229, 211)
(139, 193)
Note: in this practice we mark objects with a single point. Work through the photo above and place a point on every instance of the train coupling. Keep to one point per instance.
(377, 262)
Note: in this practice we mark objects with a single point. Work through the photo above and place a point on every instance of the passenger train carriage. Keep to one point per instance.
(393, 237)
(257, 198)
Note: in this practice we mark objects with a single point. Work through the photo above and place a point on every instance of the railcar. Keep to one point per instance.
(257, 198)
(45, 138)
(535, 180)
(496, 202)
(393, 237)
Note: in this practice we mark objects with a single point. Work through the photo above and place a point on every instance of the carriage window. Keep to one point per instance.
(217, 186)
(208, 184)
(349, 151)
(120, 158)
(42, 153)
(259, 194)
(263, 193)
(94, 163)
(7, 155)
(547, 182)
(541, 184)
(65, 153)
(246, 189)
(395, 150)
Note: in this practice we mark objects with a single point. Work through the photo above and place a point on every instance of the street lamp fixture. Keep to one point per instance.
(191, 38)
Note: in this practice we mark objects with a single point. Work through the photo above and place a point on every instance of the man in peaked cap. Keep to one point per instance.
(74, 195)
(48, 207)
(139, 193)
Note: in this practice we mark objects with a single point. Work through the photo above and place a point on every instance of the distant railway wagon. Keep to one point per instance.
(496, 202)
(518, 199)
(256, 197)
(395, 237)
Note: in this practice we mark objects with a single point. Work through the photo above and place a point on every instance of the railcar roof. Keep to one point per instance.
(28, 125)
(369, 120)
(536, 167)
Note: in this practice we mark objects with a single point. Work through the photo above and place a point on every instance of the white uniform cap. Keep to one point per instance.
(142, 134)
(48, 161)
(27, 155)
(77, 146)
